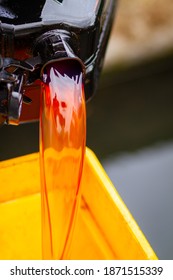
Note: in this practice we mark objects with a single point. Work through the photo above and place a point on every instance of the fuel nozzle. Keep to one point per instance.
(56, 45)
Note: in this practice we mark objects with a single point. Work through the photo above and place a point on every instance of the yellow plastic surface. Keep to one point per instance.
(105, 228)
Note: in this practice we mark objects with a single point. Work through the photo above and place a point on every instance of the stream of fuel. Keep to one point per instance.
(62, 150)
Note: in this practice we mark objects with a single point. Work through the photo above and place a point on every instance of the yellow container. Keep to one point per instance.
(105, 228)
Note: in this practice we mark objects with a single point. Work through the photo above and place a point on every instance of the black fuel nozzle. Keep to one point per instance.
(56, 45)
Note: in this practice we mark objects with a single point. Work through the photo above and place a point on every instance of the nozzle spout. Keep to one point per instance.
(56, 45)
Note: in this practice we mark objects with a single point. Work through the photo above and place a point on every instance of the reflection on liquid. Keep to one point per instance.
(62, 147)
